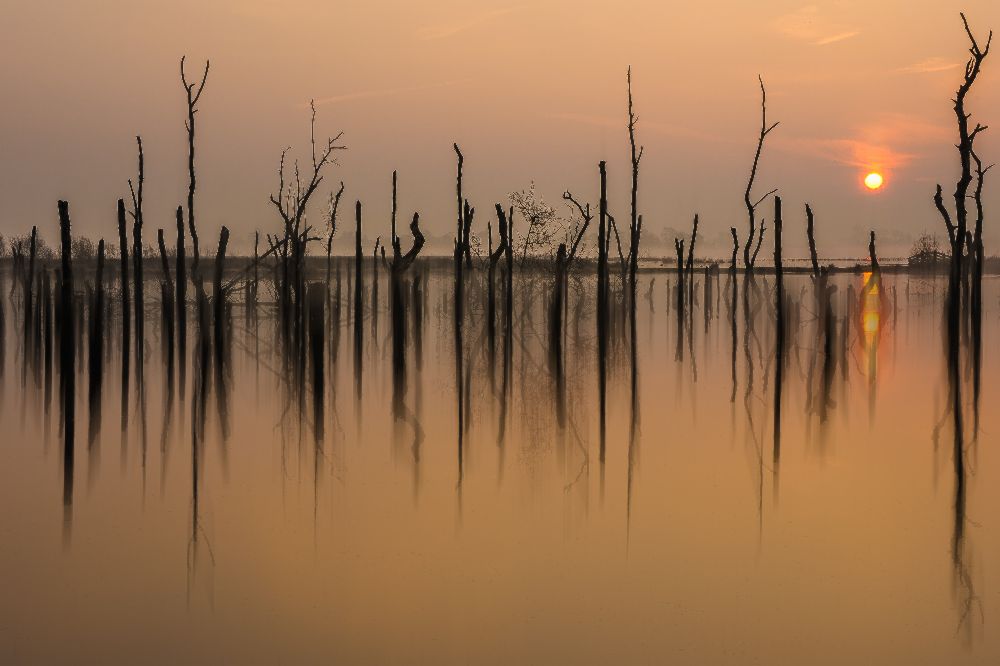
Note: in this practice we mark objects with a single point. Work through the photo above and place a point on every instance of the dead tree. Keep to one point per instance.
(166, 302)
(958, 228)
(291, 201)
(461, 250)
(689, 266)
(399, 265)
(67, 358)
(681, 273)
(494, 259)
(635, 222)
(813, 257)
(765, 129)
(564, 259)
(126, 301)
(29, 283)
(736, 247)
(193, 93)
(180, 298)
(602, 305)
(779, 353)
(164, 261)
(136, 191)
(219, 297)
(872, 255)
(464, 222)
(332, 222)
(976, 309)
(95, 355)
(358, 333)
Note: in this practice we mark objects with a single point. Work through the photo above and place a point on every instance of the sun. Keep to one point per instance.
(874, 181)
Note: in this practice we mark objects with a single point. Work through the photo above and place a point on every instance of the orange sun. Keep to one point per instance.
(874, 181)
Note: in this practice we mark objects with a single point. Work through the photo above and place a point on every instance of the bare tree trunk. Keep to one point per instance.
(137, 259)
(602, 305)
(193, 96)
(765, 129)
(180, 299)
(67, 360)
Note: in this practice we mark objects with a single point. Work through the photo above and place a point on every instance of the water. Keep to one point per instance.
(692, 543)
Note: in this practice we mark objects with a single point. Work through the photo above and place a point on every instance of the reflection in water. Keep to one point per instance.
(871, 330)
(319, 529)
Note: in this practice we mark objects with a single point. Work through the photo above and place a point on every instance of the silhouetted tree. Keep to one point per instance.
(193, 93)
(137, 253)
(765, 129)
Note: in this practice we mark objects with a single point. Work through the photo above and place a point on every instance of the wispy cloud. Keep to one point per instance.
(833, 39)
(458, 25)
(889, 141)
(384, 92)
(809, 25)
(849, 152)
(929, 66)
(619, 123)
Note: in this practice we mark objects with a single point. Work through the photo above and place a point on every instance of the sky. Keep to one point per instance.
(531, 91)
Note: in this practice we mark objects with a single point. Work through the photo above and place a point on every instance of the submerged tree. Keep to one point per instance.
(291, 201)
(193, 93)
(958, 237)
(635, 221)
(966, 141)
(750, 259)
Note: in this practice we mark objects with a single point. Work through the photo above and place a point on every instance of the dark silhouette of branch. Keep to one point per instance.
(618, 241)
(332, 219)
(465, 213)
(760, 239)
(402, 262)
(871, 251)
(812, 242)
(694, 236)
(736, 249)
(949, 225)
(164, 261)
(587, 217)
(502, 246)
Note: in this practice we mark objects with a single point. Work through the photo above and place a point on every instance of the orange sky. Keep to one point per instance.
(531, 91)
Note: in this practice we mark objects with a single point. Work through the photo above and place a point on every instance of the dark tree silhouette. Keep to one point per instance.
(193, 92)
(136, 191)
(635, 221)
(751, 205)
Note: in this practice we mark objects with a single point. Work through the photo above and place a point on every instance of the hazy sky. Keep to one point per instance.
(532, 91)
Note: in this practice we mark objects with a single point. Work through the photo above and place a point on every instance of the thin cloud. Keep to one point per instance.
(383, 92)
(456, 26)
(833, 39)
(888, 141)
(849, 152)
(620, 123)
(929, 66)
(583, 118)
(808, 25)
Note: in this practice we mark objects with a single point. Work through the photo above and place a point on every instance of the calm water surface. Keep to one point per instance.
(246, 522)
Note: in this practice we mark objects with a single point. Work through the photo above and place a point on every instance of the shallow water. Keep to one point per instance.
(262, 538)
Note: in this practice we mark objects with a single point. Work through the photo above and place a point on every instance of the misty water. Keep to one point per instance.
(259, 511)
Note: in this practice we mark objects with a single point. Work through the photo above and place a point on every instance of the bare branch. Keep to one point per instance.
(759, 201)
(939, 204)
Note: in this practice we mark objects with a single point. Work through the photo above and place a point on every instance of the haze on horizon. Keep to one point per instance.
(531, 92)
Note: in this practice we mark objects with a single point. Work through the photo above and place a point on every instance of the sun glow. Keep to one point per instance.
(874, 181)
